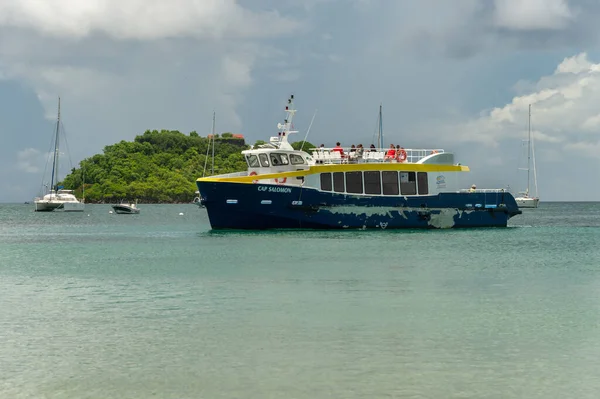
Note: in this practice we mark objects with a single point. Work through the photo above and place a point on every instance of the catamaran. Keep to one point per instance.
(58, 198)
(524, 200)
(336, 188)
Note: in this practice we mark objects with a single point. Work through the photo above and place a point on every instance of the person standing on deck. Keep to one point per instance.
(338, 148)
(391, 153)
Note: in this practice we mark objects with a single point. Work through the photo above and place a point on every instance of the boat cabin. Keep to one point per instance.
(61, 195)
(278, 155)
(263, 161)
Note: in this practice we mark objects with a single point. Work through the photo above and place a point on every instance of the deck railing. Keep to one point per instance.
(327, 155)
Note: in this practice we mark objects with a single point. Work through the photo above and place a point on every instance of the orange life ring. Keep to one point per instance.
(253, 174)
(434, 152)
(282, 180)
(402, 156)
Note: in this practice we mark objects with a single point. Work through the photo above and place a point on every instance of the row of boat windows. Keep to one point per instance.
(274, 159)
(376, 182)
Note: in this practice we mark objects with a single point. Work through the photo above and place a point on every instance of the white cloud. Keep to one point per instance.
(592, 123)
(176, 86)
(175, 64)
(564, 109)
(290, 75)
(532, 14)
(237, 70)
(107, 57)
(142, 19)
(591, 148)
(576, 64)
(30, 160)
(74, 84)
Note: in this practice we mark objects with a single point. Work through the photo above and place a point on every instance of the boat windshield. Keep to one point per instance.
(296, 159)
(253, 161)
(264, 160)
(279, 159)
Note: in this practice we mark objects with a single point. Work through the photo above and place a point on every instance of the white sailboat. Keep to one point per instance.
(524, 199)
(58, 198)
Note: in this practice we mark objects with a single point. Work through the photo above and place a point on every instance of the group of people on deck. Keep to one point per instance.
(398, 153)
(356, 152)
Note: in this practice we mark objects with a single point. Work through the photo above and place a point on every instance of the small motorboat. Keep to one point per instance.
(125, 208)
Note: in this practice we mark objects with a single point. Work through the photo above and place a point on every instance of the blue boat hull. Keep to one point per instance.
(265, 206)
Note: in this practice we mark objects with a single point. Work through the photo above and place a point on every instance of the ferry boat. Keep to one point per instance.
(334, 188)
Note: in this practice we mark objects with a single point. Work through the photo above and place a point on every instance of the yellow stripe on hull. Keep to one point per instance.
(405, 167)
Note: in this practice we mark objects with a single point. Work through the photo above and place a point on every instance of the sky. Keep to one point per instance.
(457, 75)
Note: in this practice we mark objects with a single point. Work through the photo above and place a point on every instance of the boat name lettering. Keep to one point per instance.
(275, 189)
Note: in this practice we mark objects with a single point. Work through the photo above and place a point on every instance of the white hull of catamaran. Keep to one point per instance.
(49, 206)
(527, 202)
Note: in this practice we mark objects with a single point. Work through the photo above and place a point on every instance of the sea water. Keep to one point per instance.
(99, 305)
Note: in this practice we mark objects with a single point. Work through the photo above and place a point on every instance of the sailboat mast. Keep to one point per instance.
(529, 149)
(82, 183)
(56, 149)
(380, 126)
(213, 145)
(535, 184)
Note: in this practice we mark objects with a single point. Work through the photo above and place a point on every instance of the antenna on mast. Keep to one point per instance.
(281, 141)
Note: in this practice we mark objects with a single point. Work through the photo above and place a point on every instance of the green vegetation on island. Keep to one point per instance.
(157, 167)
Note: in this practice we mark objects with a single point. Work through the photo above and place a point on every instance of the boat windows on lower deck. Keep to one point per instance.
(338, 182)
(372, 182)
(422, 183)
(376, 182)
(326, 182)
(354, 182)
(408, 183)
(390, 183)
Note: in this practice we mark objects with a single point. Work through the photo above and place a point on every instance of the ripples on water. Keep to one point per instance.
(97, 305)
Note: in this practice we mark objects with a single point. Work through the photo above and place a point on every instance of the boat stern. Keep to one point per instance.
(510, 204)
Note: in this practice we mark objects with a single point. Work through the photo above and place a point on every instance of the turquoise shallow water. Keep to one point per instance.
(96, 305)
